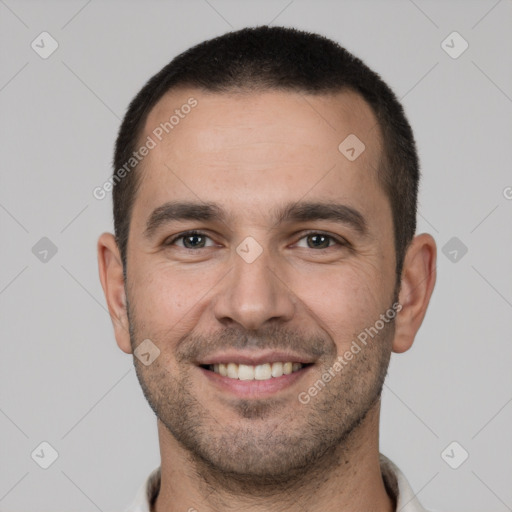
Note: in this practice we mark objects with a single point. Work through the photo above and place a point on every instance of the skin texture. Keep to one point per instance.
(251, 153)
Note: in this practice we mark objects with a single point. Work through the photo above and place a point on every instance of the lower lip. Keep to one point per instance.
(254, 388)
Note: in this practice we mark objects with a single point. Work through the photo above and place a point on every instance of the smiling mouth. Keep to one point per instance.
(264, 371)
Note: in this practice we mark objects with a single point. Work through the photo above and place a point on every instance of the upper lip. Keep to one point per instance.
(254, 358)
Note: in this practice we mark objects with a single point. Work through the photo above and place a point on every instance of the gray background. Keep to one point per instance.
(63, 379)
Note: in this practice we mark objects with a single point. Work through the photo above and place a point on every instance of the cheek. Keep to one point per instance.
(343, 302)
(167, 297)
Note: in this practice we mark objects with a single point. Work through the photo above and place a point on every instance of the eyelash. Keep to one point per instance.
(339, 241)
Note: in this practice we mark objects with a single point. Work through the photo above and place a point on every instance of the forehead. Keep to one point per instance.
(258, 147)
(321, 119)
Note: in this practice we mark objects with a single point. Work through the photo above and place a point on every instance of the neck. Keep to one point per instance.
(348, 477)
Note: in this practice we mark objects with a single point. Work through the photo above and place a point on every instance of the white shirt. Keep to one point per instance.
(394, 480)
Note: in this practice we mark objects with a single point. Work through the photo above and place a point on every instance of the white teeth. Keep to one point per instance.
(232, 370)
(259, 372)
(263, 372)
(277, 369)
(245, 372)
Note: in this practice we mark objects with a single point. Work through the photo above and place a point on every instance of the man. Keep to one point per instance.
(263, 269)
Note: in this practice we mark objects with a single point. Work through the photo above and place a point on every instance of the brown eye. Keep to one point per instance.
(191, 240)
(318, 241)
(315, 240)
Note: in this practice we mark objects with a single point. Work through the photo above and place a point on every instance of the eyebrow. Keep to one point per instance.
(293, 212)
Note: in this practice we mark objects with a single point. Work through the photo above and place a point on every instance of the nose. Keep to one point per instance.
(254, 294)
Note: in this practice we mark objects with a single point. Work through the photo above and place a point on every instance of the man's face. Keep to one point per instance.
(252, 287)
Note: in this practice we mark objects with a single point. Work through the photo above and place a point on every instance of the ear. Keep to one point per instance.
(112, 281)
(417, 284)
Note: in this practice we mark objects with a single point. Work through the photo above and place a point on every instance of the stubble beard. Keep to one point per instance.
(269, 449)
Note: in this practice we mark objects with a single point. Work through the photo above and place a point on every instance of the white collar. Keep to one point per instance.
(394, 480)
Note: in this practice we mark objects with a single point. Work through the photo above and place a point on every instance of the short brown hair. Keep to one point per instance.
(263, 58)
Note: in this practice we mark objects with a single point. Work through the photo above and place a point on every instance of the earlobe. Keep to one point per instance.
(417, 284)
(112, 281)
